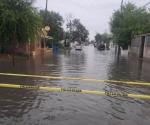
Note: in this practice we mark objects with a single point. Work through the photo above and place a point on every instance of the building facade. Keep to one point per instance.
(140, 46)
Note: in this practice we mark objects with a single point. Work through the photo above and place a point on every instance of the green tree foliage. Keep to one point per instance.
(78, 31)
(55, 21)
(127, 22)
(19, 22)
(98, 38)
(105, 38)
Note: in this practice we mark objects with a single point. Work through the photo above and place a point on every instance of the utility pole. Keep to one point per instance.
(45, 14)
(69, 26)
(121, 4)
(70, 36)
(119, 49)
(45, 20)
(46, 5)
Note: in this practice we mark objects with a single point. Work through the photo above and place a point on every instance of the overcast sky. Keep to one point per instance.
(94, 14)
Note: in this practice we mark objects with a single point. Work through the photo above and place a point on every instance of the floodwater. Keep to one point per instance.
(31, 107)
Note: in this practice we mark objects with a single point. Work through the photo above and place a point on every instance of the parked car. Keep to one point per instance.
(78, 47)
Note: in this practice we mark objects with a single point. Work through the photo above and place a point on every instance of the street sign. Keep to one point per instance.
(47, 28)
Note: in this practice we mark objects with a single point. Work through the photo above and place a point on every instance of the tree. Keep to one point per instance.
(19, 23)
(55, 21)
(105, 38)
(78, 31)
(127, 22)
(98, 38)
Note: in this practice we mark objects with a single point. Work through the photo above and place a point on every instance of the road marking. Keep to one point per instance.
(75, 90)
(81, 79)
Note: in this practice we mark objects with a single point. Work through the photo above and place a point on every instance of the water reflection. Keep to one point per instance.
(23, 107)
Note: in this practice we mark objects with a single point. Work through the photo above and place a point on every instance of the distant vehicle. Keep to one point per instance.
(78, 47)
(95, 45)
(101, 47)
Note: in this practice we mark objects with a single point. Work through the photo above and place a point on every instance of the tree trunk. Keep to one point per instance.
(119, 50)
(13, 59)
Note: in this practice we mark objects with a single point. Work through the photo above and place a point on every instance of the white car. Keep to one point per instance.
(78, 47)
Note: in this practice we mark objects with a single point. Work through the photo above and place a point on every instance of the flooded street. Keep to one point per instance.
(31, 107)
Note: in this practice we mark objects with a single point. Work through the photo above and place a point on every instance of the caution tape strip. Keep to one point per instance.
(82, 79)
(75, 90)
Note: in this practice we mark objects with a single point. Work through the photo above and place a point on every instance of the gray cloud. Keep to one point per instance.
(94, 14)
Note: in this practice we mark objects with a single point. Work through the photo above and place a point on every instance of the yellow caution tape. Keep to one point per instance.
(75, 90)
(82, 79)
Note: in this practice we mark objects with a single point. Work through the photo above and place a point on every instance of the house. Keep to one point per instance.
(140, 46)
(35, 47)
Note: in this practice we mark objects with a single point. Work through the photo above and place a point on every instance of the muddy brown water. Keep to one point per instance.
(31, 107)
